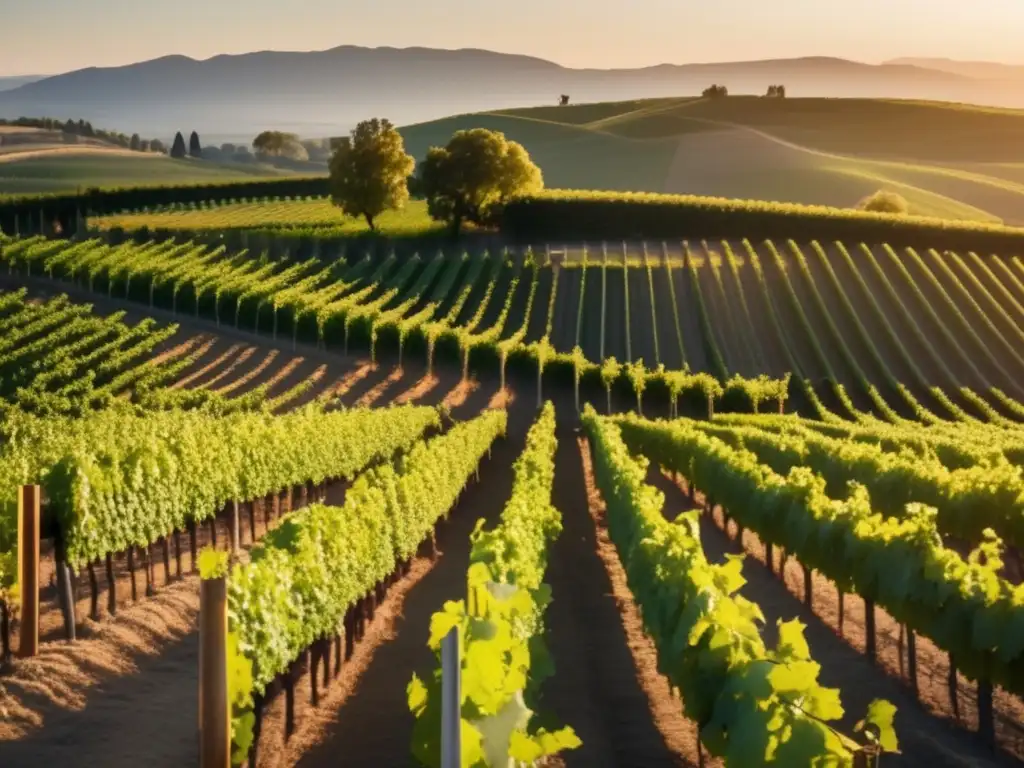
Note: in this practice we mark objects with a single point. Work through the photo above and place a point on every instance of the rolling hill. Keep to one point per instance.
(68, 170)
(327, 92)
(948, 160)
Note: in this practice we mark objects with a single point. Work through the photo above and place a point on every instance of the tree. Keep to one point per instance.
(158, 146)
(135, 143)
(194, 147)
(776, 92)
(563, 100)
(280, 144)
(885, 202)
(369, 170)
(144, 145)
(317, 150)
(228, 149)
(478, 171)
(178, 147)
(715, 92)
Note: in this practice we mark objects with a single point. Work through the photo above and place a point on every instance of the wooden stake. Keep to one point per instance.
(912, 660)
(951, 684)
(28, 568)
(65, 592)
(147, 563)
(131, 571)
(94, 594)
(986, 718)
(869, 629)
(166, 545)
(842, 610)
(314, 676)
(236, 543)
(214, 709)
(193, 543)
(177, 553)
(111, 586)
(808, 587)
(5, 635)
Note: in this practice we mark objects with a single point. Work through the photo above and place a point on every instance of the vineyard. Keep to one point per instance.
(686, 503)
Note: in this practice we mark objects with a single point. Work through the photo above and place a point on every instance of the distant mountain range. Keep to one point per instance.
(10, 83)
(324, 93)
(978, 70)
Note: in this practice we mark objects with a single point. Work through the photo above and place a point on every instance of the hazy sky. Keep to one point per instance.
(50, 36)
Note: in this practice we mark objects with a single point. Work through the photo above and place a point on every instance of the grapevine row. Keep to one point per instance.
(707, 637)
(501, 625)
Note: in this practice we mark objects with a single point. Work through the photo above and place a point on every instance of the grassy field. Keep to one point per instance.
(68, 171)
(287, 214)
(950, 161)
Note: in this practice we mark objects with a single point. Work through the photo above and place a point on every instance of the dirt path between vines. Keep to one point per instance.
(606, 683)
(927, 732)
(366, 718)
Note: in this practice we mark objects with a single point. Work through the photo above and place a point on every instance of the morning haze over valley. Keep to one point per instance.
(562, 385)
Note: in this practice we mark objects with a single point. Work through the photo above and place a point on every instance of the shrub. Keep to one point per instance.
(885, 202)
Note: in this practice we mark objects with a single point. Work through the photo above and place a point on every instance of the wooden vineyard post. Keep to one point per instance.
(214, 710)
(451, 698)
(236, 544)
(28, 569)
(869, 630)
(912, 660)
(65, 589)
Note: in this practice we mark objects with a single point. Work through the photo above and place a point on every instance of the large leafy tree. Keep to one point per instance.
(369, 170)
(478, 170)
(280, 144)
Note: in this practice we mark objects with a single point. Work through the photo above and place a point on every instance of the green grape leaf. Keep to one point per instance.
(794, 678)
(881, 714)
(213, 564)
(792, 644)
(441, 623)
(472, 745)
(416, 694)
(823, 703)
(805, 744)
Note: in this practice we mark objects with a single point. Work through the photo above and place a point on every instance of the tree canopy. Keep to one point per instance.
(477, 171)
(280, 144)
(369, 170)
(194, 147)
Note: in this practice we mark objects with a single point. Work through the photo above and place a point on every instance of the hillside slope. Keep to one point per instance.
(947, 160)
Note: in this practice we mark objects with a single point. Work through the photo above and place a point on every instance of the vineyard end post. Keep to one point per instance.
(28, 569)
(451, 698)
(214, 709)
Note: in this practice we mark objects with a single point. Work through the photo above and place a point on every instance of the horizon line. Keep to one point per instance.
(884, 62)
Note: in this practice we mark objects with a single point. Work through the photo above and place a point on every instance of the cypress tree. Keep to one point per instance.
(178, 148)
(194, 147)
